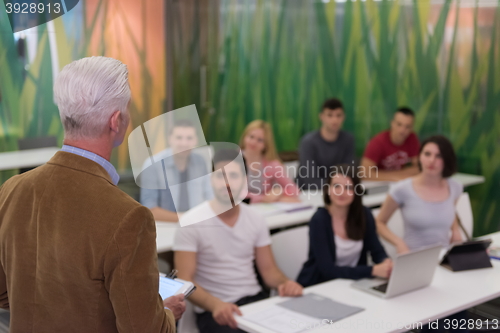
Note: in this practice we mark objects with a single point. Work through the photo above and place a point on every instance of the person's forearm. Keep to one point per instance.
(161, 214)
(346, 272)
(290, 192)
(273, 277)
(388, 235)
(285, 198)
(204, 299)
(395, 175)
(256, 198)
(411, 170)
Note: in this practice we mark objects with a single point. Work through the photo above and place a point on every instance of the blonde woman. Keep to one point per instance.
(267, 180)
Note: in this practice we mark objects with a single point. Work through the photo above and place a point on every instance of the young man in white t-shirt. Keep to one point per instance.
(218, 254)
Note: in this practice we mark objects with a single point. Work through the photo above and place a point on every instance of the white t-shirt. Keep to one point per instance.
(347, 251)
(225, 255)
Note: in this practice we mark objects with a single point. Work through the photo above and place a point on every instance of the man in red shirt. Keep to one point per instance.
(393, 154)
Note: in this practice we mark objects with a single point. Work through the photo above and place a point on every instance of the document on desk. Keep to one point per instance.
(302, 313)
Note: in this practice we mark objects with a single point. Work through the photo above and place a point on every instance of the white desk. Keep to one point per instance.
(166, 230)
(26, 158)
(468, 180)
(315, 199)
(448, 293)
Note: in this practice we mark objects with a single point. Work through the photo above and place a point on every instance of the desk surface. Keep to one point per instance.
(448, 293)
(26, 158)
(166, 230)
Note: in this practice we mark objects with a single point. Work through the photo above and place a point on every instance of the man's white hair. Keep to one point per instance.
(88, 91)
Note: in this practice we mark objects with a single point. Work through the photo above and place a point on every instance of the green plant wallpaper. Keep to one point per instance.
(279, 59)
(127, 30)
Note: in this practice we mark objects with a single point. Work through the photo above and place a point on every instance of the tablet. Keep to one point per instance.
(467, 255)
(170, 287)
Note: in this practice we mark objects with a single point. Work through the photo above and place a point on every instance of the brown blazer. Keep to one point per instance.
(77, 254)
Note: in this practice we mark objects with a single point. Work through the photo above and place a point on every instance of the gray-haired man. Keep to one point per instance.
(78, 254)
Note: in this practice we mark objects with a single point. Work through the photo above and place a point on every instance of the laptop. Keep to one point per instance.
(411, 271)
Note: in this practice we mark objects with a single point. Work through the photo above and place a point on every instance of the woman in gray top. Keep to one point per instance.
(427, 200)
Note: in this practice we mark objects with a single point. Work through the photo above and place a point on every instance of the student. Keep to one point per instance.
(427, 200)
(218, 254)
(342, 233)
(322, 149)
(392, 154)
(182, 167)
(265, 171)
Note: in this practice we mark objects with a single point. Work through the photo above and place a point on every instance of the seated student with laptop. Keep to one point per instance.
(265, 169)
(427, 202)
(342, 233)
(218, 253)
(393, 153)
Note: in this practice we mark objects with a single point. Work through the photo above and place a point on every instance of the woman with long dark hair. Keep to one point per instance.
(342, 233)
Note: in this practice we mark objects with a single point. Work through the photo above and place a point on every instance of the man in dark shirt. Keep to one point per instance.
(320, 150)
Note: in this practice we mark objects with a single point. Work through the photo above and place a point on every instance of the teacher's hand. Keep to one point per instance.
(176, 304)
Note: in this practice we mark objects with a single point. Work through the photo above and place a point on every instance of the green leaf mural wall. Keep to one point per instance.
(127, 30)
(279, 59)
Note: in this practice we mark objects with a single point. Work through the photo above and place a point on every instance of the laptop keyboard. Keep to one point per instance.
(382, 288)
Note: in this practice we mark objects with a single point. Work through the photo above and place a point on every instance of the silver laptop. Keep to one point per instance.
(411, 271)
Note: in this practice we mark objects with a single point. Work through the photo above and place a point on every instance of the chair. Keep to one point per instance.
(33, 143)
(396, 224)
(290, 249)
(464, 212)
(38, 142)
(291, 169)
(4, 321)
(187, 323)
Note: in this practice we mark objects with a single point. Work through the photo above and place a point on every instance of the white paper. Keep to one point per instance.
(281, 320)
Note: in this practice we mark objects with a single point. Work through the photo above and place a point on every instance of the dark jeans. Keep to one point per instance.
(206, 323)
(447, 323)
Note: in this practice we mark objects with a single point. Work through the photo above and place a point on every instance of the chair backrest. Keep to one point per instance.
(291, 169)
(187, 323)
(396, 225)
(290, 249)
(38, 142)
(464, 212)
